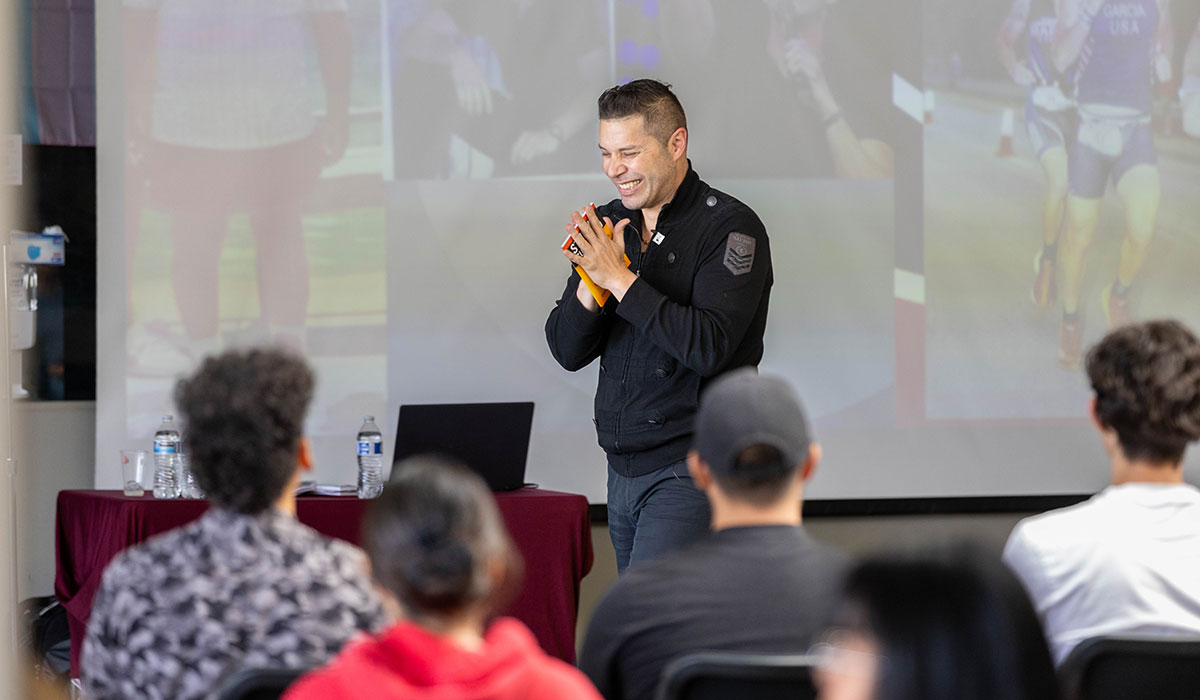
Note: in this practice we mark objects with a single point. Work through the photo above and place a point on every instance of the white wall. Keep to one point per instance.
(8, 618)
(54, 451)
(52, 447)
(8, 598)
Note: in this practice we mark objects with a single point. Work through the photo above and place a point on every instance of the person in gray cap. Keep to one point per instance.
(757, 582)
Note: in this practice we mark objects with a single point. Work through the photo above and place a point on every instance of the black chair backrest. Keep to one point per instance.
(1132, 667)
(729, 675)
(259, 683)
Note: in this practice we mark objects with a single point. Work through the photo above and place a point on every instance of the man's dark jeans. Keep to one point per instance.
(653, 514)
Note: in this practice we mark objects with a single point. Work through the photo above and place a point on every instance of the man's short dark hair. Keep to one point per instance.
(1147, 382)
(652, 100)
(243, 418)
(760, 478)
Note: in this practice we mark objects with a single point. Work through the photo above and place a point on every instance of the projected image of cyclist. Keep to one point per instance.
(1025, 48)
(1116, 46)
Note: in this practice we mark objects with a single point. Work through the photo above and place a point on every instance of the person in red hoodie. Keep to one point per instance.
(437, 545)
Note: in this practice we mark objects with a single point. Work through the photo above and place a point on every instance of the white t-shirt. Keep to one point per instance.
(1126, 561)
(234, 74)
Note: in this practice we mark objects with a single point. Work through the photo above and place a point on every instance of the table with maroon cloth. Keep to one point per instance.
(551, 529)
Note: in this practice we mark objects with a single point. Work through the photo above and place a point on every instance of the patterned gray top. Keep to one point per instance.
(180, 613)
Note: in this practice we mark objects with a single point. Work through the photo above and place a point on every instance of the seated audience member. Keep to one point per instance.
(940, 624)
(1128, 559)
(438, 546)
(758, 582)
(246, 585)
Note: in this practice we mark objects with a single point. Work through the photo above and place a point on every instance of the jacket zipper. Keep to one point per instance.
(625, 364)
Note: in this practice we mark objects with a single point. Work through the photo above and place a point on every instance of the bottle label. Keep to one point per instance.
(370, 448)
(165, 448)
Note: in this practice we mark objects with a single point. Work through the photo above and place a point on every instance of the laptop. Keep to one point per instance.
(490, 438)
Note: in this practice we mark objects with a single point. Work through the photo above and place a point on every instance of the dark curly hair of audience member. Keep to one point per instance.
(437, 542)
(1146, 377)
(950, 622)
(243, 418)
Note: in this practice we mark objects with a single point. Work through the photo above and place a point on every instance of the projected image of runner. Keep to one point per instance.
(1055, 140)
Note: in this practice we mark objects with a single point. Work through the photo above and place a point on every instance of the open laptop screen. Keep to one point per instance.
(490, 438)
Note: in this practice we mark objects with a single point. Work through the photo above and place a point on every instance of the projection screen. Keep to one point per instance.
(383, 186)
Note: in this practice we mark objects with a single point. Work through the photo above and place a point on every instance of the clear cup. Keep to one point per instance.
(135, 466)
(190, 489)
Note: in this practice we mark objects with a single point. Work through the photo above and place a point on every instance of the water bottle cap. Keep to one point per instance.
(168, 416)
(368, 419)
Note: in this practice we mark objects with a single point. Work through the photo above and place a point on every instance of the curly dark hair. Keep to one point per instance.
(1147, 382)
(243, 418)
(433, 534)
(649, 98)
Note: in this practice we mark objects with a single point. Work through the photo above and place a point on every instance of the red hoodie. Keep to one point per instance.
(410, 662)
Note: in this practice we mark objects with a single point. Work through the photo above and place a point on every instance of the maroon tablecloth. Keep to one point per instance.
(551, 529)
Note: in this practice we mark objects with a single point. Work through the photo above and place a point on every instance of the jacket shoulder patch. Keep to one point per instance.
(739, 253)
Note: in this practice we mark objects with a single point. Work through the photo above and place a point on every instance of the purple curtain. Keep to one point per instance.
(64, 71)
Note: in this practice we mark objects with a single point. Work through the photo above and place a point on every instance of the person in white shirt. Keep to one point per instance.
(1128, 559)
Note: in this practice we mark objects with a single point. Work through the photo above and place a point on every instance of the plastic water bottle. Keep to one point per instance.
(370, 459)
(166, 459)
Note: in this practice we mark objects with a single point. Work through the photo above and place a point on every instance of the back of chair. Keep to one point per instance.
(725, 675)
(259, 683)
(1133, 667)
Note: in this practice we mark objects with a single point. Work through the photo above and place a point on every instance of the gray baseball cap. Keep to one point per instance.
(743, 409)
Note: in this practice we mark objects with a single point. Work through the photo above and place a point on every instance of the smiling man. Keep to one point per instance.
(691, 306)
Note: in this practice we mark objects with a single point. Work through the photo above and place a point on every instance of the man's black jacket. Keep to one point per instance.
(698, 309)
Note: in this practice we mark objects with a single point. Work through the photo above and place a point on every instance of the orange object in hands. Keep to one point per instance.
(599, 293)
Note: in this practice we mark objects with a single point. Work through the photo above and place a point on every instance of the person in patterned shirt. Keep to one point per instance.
(246, 585)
